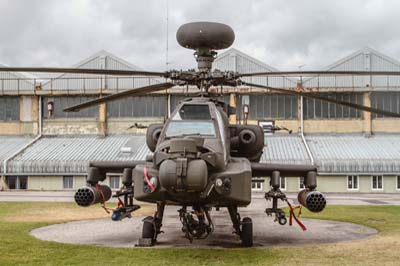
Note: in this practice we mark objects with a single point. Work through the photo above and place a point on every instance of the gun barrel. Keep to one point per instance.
(312, 200)
(89, 195)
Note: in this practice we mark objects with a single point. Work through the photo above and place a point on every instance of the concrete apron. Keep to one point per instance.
(126, 233)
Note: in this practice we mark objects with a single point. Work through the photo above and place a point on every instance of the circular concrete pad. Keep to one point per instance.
(126, 233)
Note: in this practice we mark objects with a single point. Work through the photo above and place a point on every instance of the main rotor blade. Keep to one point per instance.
(133, 92)
(319, 97)
(321, 73)
(84, 71)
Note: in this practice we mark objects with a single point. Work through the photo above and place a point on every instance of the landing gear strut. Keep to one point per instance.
(152, 226)
(244, 228)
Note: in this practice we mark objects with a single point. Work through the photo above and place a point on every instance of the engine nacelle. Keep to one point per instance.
(89, 195)
(247, 141)
(314, 201)
(152, 135)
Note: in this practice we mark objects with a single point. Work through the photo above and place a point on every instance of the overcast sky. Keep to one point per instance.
(284, 34)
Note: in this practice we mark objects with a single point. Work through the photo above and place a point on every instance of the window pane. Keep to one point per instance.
(374, 183)
(22, 182)
(273, 106)
(388, 101)
(9, 108)
(301, 182)
(68, 182)
(283, 182)
(355, 182)
(142, 106)
(380, 182)
(62, 102)
(114, 182)
(11, 182)
(398, 182)
(317, 109)
(350, 182)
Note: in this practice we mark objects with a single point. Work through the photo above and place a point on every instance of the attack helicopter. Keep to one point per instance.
(199, 160)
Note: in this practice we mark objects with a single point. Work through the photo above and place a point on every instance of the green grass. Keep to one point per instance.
(17, 247)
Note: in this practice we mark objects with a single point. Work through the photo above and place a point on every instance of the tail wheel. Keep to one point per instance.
(247, 232)
(148, 231)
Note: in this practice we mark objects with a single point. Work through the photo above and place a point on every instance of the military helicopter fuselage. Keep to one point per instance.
(192, 160)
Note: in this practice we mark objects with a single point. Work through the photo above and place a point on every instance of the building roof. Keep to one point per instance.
(285, 149)
(11, 144)
(356, 153)
(81, 83)
(365, 59)
(71, 154)
(235, 60)
(16, 82)
(333, 154)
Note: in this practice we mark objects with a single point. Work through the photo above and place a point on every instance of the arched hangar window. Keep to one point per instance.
(388, 101)
(270, 106)
(141, 106)
(59, 103)
(317, 109)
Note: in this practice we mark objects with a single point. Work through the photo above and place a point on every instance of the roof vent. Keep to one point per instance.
(126, 150)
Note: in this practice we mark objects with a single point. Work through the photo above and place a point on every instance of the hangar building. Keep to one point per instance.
(353, 150)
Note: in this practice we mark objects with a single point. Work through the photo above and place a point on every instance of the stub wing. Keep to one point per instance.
(285, 170)
(98, 169)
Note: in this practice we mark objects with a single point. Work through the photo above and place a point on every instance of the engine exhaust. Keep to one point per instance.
(89, 195)
(314, 201)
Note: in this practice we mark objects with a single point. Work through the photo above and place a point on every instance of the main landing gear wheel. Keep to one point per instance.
(247, 232)
(148, 231)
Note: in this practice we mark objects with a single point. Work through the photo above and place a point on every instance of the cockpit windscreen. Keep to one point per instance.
(190, 128)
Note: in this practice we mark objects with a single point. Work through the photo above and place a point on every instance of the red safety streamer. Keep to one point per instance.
(293, 216)
(146, 176)
(103, 199)
(103, 204)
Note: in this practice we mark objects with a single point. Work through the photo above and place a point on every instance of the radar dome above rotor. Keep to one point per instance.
(205, 35)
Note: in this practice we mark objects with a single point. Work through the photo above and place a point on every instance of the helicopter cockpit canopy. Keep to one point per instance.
(193, 112)
(191, 120)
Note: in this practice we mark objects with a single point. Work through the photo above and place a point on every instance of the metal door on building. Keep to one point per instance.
(17, 182)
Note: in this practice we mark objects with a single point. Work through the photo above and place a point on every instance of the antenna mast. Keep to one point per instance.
(166, 56)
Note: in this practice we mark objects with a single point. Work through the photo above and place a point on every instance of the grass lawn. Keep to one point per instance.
(17, 247)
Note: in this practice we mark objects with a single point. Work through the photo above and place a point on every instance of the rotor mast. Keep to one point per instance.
(204, 58)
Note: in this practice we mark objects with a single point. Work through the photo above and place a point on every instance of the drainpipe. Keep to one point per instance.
(27, 145)
(302, 131)
(40, 115)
